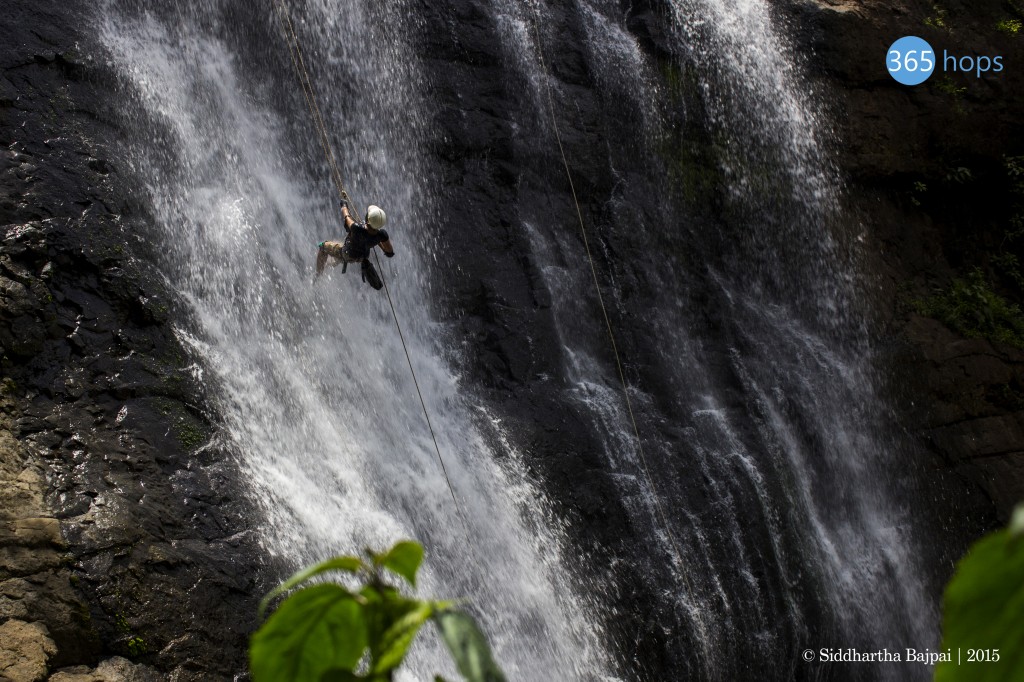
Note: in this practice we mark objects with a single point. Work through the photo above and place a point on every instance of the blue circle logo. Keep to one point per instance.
(910, 60)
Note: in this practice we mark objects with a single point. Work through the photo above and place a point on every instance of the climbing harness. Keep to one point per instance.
(295, 50)
(597, 287)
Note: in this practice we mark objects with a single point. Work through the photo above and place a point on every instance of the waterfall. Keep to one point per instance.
(312, 381)
(765, 517)
(774, 459)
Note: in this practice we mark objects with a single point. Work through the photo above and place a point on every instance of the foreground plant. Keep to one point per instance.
(328, 633)
(983, 622)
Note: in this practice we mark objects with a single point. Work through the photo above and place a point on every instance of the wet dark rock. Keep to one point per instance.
(968, 398)
(108, 434)
(502, 306)
(112, 529)
(960, 396)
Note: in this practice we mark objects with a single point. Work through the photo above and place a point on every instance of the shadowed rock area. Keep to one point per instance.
(122, 531)
(927, 170)
(957, 397)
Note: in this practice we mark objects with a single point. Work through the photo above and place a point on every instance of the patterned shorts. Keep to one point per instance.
(336, 250)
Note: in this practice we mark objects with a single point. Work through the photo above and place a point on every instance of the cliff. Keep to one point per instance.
(930, 172)
(124, 532)
(121, 530)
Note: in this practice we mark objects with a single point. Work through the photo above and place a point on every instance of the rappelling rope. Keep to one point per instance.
(600, 298)
(295, 50)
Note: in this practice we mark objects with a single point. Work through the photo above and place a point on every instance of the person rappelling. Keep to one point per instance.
(362, 237)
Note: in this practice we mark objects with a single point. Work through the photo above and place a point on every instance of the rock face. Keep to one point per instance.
(889, 132)
(25, 649)
(123, 534)
(888, 138)
(973, 416)
(114, 669)
(925, 169)
(122, 530)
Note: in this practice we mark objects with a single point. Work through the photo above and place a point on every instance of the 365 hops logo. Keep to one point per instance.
(911, 60)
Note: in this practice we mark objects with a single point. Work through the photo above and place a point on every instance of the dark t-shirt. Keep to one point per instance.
(360, 242)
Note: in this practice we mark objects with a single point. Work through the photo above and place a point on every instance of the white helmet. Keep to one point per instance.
(375, 216)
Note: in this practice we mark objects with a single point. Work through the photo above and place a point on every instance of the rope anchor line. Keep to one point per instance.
(299, 63)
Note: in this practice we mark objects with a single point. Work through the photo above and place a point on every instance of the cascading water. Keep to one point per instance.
(764, 436)
(773, 456)
(312, 380)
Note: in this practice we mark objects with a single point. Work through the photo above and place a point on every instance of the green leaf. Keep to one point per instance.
(385, 606)
(468, 646)
(982, 611)
(404, 559)
(349, 564)
(398, 637)
(317, 629)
